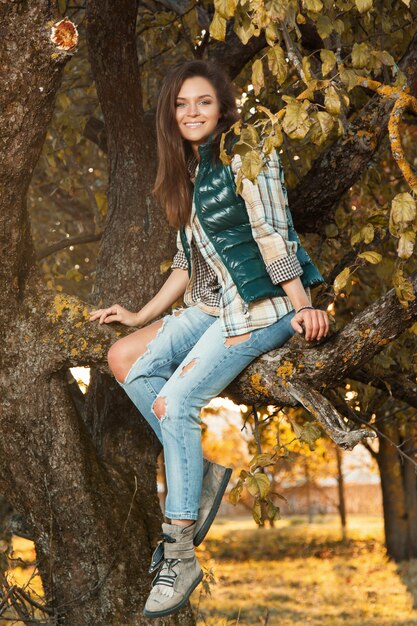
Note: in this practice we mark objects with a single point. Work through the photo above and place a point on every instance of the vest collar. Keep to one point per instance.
(204, 149)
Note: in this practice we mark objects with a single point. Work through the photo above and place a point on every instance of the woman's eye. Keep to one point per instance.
(178, 104)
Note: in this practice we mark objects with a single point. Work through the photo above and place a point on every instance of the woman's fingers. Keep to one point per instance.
(105, 315)
(316, 324)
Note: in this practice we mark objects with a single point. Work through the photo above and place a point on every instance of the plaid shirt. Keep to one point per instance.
(210, 286)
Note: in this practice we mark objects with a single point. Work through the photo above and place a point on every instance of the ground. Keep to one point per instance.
(295, 574)
(302, 574)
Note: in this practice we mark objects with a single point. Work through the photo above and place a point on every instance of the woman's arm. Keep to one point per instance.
(170, 292)
(315, 321)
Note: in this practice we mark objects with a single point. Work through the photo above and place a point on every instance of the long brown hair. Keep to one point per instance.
(173, 188)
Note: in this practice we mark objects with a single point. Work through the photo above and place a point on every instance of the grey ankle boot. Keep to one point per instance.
(215, 480)
(179, 573)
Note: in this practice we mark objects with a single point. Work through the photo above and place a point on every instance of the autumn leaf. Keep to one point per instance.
(257, 76)
(218, 27)
(296, 122)
(341, 280)
(328, 58)
(371, 256)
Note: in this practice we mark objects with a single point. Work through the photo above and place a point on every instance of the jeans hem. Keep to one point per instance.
(193, 516)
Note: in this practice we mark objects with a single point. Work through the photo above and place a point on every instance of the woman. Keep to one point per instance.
(245, 290)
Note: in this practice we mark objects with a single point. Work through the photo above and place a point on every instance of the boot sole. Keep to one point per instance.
(204, 528)
(178, 606)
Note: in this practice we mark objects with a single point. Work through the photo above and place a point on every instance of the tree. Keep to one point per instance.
(102, 452)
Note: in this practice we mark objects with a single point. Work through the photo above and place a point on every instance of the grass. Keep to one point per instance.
(303, 574)
(296, 574)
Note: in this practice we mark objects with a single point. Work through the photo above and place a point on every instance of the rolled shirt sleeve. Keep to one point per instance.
(179, 260)
(265, 203)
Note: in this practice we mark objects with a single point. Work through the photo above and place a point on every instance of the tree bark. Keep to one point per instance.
(393, 496)
(89, 517)
(341, 492)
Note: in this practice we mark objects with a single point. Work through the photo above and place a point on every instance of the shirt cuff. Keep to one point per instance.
(179, 261)
(284, 269)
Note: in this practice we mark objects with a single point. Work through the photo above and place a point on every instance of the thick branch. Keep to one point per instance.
(29, 82)
(328, 363)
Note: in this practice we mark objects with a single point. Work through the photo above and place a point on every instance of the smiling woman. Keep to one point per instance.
(237, 270)
(197, 110)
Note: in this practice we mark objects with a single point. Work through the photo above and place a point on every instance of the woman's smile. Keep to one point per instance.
(197, 110)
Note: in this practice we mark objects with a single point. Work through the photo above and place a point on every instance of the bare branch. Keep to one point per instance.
(65, 243)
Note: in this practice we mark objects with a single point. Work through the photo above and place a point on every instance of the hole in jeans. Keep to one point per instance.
(159, 408)
(233, 341)
(146, 351)
(189, 366)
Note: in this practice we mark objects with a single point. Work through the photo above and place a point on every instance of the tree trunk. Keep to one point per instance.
(341, 492)
(393, 495)
(80, 484)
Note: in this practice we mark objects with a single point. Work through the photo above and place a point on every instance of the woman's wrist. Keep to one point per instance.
(305, 306)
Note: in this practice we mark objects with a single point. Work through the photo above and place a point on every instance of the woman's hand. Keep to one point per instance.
(314, 322)
(115, 313)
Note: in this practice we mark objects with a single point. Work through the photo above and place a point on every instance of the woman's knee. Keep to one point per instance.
(116, 358)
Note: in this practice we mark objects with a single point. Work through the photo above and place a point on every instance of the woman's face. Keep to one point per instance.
(197, 110)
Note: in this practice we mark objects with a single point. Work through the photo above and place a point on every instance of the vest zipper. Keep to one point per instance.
(195, 194)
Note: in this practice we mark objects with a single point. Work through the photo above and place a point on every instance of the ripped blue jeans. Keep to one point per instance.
(187, 364)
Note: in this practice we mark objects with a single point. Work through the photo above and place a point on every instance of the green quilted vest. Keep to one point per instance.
(225, 221)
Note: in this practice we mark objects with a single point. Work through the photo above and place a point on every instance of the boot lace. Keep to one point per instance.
(165, 578)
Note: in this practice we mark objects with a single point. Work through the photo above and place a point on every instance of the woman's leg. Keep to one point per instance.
(210, 366)
(159, 356)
